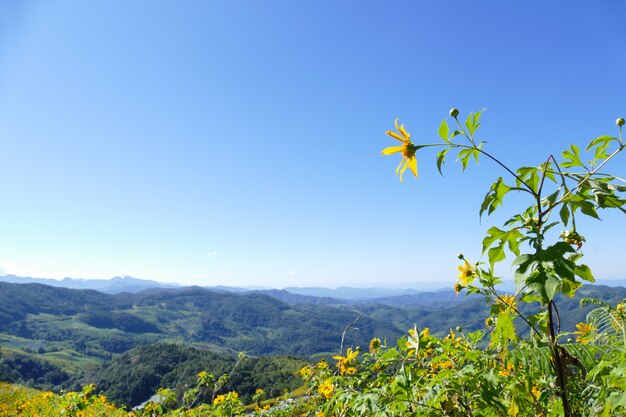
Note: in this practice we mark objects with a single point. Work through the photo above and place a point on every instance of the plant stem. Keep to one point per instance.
(558, 365)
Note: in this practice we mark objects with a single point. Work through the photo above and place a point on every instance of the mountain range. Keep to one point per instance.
(53, 337)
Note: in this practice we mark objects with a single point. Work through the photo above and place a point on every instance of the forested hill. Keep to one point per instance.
(100, 324)
(50, 335)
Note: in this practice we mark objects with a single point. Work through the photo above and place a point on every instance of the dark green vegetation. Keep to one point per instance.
(61, 338)
(134, 376)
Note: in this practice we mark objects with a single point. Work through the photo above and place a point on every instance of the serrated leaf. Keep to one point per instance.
(572, 157)
(504, 332)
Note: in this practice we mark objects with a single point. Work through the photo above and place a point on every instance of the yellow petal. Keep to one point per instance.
(402, 162)
(395, 135)
(406, 165)
(413, 165)
(404, 133)
(392, 149)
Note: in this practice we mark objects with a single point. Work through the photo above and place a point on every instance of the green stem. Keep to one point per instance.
(581, 182)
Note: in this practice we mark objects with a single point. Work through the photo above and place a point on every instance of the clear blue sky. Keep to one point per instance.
(238, 143)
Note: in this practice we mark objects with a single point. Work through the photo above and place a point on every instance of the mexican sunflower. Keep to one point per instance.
(467, 274)
(585, 333)
(407, 149)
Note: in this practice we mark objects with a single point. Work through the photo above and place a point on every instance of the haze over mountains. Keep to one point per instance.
(317, 295)
(121, 284)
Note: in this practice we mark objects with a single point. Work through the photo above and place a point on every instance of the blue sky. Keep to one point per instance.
(238, 143)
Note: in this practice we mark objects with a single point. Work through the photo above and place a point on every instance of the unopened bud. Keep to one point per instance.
(620, 122)
(460, 256)
(454, 112)
(459, 329)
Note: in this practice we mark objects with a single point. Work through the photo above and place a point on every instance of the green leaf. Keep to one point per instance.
(476, 119)
(569, 287)
(494, 197)
(504, 332)
(444, 130)
(464, 157)
(589, 209)
(514, 238)
(469, 123)
(441, 156)
(584, 272)
(496, 254)
(549, 226)
(602, 140)
(572, 157)
(564, 213)
(530, 175)
(524, 265)
(551, 199)
(456, 133)
(493, 234)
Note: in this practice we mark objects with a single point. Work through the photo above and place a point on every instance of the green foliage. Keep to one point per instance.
(545, 269)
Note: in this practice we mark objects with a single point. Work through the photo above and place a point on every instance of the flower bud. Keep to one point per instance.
(454, 112)
(620, 122)
(459, 329)
(460, 256)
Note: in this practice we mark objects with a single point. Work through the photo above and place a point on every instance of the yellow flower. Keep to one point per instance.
(326, 388)
(322, 364)
(621, 308)
(345, 361)
(413, 341)
(506, 301)
(506, 371)
(374, 345)
(259, 391)
(467, 274)
(536, 392)
(219, 399)
(350, 370)
(407, 149)
(305, 371)
(585, 333)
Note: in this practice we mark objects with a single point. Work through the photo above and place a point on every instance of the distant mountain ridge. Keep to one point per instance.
(114, 285)
(291, 295)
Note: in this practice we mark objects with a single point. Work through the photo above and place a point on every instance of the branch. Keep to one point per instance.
(343, 335)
